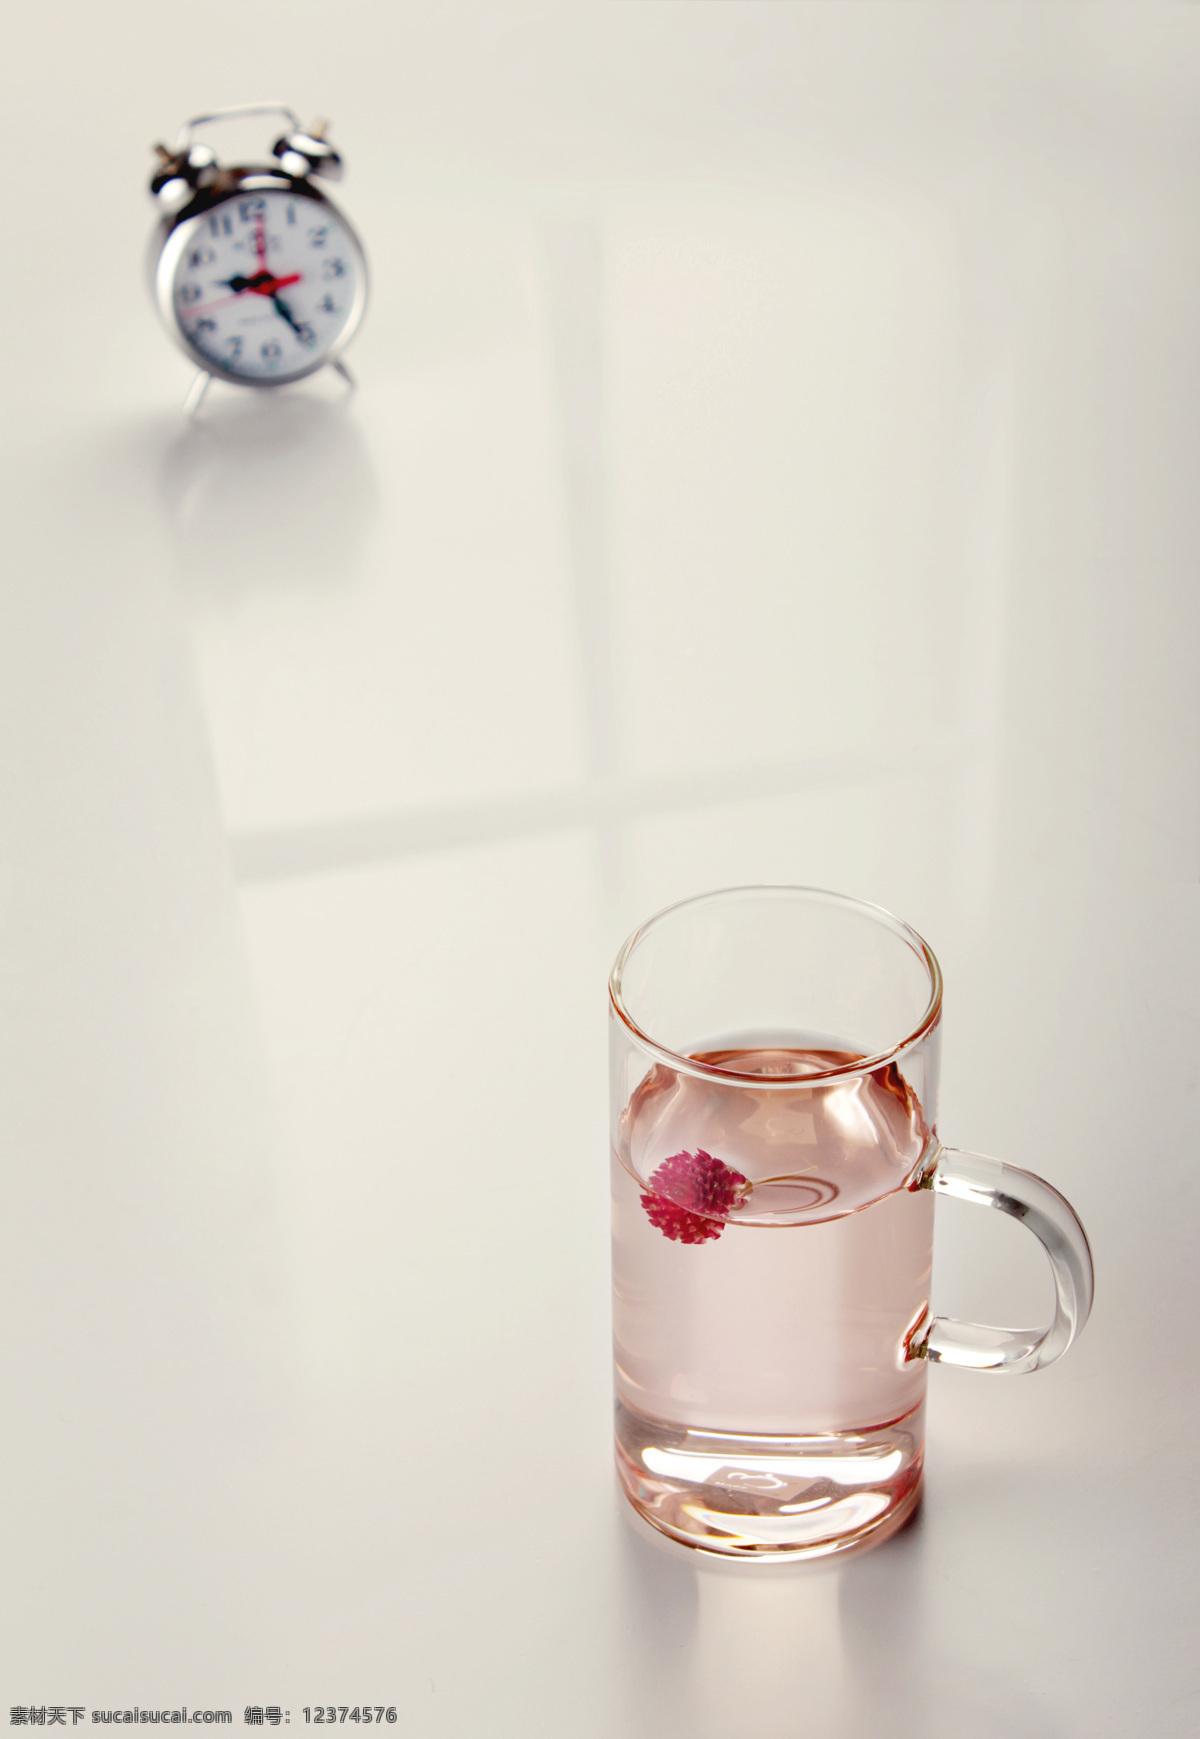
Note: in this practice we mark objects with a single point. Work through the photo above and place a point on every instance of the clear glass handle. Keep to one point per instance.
(972, 1177)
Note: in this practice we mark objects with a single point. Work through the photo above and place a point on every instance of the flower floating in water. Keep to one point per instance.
(691, 1191)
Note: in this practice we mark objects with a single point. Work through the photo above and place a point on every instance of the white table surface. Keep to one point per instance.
(774, 460)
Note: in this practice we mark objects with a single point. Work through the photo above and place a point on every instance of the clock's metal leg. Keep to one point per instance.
(339, 367)
(196, 392)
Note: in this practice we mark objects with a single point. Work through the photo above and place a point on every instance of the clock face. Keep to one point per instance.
(264, 286)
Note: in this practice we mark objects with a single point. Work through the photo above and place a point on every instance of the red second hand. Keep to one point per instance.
(205, 307)
(259, 290)
(270, 288)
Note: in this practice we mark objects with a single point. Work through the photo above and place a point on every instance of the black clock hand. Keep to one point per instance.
(267, 284)
(285, 313)
(238, 284)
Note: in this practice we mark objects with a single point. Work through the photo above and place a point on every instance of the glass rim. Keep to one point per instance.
(826, 896)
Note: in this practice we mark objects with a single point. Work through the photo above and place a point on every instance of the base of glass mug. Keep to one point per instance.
(768, 1496)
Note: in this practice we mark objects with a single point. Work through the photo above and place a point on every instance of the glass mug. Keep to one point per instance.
(774, 1081)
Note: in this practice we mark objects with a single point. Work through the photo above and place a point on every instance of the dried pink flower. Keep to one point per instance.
(691, 1193)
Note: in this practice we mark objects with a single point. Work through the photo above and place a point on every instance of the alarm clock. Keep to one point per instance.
(258, 277)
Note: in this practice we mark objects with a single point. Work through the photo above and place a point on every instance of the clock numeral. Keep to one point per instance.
(234, 346)
(318, 237)
(334, 269)
(189, 293)
(206, 325)
(327, 305)
(200, 257)
(291, 215)
(271, 350)
(220, 225)
(250, 209)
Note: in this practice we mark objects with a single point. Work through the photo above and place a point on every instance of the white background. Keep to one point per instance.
(775, 459)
